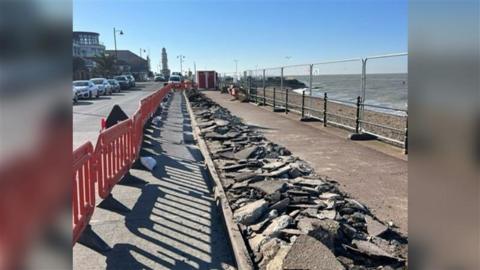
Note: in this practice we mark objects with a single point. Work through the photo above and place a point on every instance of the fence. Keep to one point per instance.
(116, 150)
(365, 95)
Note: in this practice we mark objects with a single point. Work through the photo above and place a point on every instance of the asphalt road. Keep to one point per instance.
(87, 114)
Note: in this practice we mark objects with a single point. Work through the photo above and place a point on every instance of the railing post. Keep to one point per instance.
(264, 97)
(281, 79)
(325, 97)
(363, 86)
(303, 104)
(286, 100)
(357, 118)
(310, 88)
(406, 137)
(274, 97)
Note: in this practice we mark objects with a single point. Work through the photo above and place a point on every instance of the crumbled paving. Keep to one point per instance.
(290, 217)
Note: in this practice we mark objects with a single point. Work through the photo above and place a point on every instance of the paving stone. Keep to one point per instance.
(309, 253)
(246, 153)
(269, 186)
(277, 225)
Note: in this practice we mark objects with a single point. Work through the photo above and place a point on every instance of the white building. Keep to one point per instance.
(86, 44)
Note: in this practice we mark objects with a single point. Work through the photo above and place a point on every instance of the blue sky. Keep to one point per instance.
(263, 33)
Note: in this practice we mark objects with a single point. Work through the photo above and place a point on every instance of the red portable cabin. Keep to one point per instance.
(207, 79)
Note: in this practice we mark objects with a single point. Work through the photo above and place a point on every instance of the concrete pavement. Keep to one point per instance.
(173, 222)
(372, 172)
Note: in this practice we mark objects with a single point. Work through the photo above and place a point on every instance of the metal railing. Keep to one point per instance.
(365, 95)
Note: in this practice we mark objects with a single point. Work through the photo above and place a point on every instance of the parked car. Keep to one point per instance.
(123, 81)
(160, 78)
(103, 85)
(74, 95)
(175, 80)
(115, 85)
(86, 89)
(132, 80)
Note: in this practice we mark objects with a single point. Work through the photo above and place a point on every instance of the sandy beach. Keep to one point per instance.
(338, 113)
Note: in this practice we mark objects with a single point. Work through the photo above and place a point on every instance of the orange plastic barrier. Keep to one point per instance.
(114, 154)
(116, 149)
(83, 195)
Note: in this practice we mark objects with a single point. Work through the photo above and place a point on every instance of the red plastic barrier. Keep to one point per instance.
(114, 155)
(116, 150)
(83, 195)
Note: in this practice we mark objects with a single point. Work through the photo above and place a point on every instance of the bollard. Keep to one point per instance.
(274, 99)
(303, 104)
(286, 100)
(325, 109)
(357, 118)
(406, 138)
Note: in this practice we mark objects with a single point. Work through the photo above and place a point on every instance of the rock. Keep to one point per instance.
(246, 153)
(220, 122)
(251, 212)
(269, 249)
(277, 225)
(280, 206)
(351, 203)
(277, 262)
(307, 182)
(279, 172)
(309, 253)
(256, 242)
(269, 186)
(329, 196)
(234, 167)
(274, 165)
(327, 214)
(371, 249)
(242, 176)
(266, 218)
(292, 232)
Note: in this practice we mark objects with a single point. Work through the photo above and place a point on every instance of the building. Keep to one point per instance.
(165, 71)
(130, 63)
(87, 44)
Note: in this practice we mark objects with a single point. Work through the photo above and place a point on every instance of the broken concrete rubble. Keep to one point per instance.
(285, 210)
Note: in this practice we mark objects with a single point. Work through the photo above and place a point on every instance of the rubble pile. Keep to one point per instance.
(290, 217)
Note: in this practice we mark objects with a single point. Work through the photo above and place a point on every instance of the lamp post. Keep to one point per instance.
(236, 69)
(115, 40)
(181, 57)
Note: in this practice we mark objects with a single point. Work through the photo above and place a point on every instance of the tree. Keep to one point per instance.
(105, 65)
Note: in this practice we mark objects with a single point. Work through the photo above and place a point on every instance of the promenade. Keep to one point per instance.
(171, 219)
(372, 172)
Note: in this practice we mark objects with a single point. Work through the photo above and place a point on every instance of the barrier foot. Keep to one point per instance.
(362, 137)
(114, 205)
(90, 239)
(131, 181)
(309, 119)
(279, 109)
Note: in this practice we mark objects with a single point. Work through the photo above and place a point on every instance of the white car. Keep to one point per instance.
(175, 80)
(74, 95)
(86, 89)
(103, 86)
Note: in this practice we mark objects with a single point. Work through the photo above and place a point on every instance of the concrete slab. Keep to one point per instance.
(372, 172)
(174, 222)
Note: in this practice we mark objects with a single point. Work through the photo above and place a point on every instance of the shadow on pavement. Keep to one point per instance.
(175, 220)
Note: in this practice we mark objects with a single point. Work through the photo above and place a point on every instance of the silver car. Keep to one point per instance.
(115, 85)
(103, 86)
(85, 89)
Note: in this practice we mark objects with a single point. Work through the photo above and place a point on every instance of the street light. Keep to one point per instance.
(181, 57)
(236, 69)
(115, 40)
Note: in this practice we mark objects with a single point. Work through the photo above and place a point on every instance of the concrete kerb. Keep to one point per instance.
(240, 250)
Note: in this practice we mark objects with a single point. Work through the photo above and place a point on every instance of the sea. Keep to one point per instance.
(384, 90)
